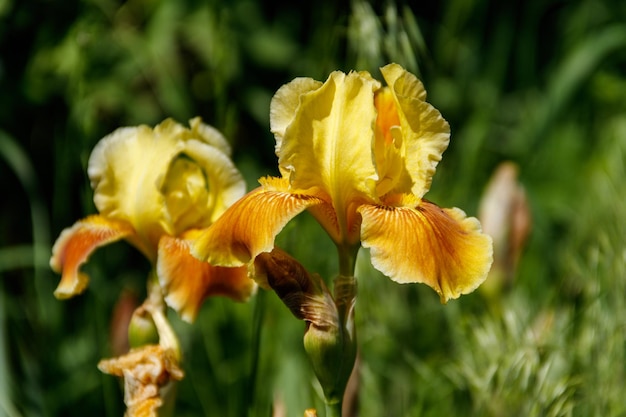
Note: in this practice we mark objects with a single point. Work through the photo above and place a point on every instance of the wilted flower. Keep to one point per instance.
(149, 371)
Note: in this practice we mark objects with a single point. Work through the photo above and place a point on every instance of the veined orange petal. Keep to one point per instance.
(439, 247)
(187, 281)
(250, 225)
(76, 243)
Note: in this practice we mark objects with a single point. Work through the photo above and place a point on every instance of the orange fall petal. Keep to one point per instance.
(74, 246)
(249, 226)
(439, 247)
(187, 281)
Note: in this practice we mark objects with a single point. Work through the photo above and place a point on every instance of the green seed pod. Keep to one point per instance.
(141, 329)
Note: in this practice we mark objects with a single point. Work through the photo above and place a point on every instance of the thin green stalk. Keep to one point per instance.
(257, 320)
(345, 294)
(20, 163)
(347, 259)
(334, 410)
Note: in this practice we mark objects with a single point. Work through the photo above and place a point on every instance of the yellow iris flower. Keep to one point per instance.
(359, 157)
(154, 187)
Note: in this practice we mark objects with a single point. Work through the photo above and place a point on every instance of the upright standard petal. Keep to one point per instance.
(328, 143)
(285, 103)
(200, 184)
(249, 226)
(424, 243)
(209, 135)
(127, 169)
(424, 132)
(187, 281)
(76, 243)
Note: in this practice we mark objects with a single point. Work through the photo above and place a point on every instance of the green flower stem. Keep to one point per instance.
(344, 296)
(334, 410)
(347, 259)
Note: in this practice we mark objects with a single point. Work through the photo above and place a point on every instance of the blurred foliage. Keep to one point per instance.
(540, 83)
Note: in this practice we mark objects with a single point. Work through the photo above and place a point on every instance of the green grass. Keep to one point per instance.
(540, 83)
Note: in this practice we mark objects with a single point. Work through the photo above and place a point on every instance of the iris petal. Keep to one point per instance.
(75, 245)
(424, 243)
(224, 185)
(127, 169)
(284, 105)
(425, 133)
(209, 135)
(328, 143)
(187, 281)
(249, 226)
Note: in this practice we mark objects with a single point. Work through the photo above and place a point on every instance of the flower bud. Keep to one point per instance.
(329, 339)
(141, 329)
(505, 216)
(331, 344)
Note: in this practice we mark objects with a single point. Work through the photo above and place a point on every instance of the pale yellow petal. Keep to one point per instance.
(250, 225)
(328, 144)
(127, 169)
(74, 246)
(187, 281)
(425, 134)
(439, 247)
(285, 103)
(209, 135)
(209, 185)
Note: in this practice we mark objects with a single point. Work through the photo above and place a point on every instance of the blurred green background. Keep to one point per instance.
(541, 83)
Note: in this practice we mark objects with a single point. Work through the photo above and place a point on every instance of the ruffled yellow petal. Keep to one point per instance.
(209, 135)
(76, 243)
(423, 132)
(424, 243)
(285, 103)
(187, 281)
(328, 143)
(200, 184)
(250, 225)
(127, 169)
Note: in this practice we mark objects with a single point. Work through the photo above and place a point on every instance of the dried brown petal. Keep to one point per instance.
(145, 371)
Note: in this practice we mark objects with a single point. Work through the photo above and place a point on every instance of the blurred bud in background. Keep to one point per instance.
(505, 216)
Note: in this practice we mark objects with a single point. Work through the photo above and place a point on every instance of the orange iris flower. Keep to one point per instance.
(154, 187)
(360, 157)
